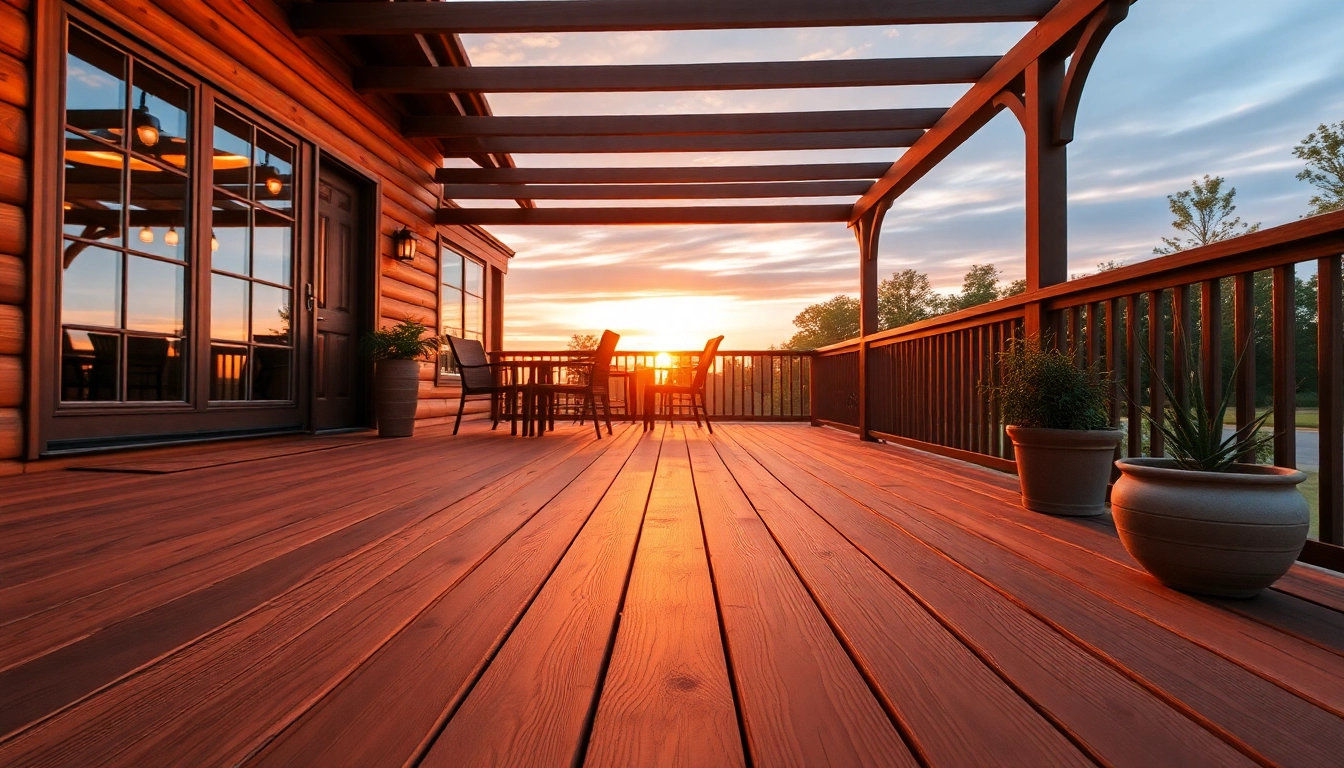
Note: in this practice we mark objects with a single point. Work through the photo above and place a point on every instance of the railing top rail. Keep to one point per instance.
(1302, 240)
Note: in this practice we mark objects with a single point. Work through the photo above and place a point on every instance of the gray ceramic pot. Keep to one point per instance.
(1064, 471)
(1229, 534)
(396, 391)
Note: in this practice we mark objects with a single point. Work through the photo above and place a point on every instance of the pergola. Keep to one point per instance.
(1040, 79)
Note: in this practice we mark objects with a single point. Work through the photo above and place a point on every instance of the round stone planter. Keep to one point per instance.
(396, 390)
(1064, 471)
(1229, 534)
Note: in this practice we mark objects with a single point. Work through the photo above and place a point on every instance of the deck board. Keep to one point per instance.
(766, 595)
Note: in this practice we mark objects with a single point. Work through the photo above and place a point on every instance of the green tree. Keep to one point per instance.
(1202, 212)
(829, 322)
(1323, 151)
(980, 286)
(906, 297)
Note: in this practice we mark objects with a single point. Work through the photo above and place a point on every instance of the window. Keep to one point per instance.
(153, 224)
(125, 253)
(461, 301)
(252, 262)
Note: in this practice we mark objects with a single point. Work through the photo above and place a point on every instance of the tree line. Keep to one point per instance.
(1202, 214)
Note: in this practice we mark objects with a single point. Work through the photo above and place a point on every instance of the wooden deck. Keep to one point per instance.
(768, 595)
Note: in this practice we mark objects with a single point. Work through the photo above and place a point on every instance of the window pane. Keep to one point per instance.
(228, 308)
(275, 172)
(452, 268)
(474, 316)
(270, 315)
(154, 369)
(233, 152)
(92, 207)
(95, 87)
(159, 116)
(270, 373)
(450, 314)
(158, 213)
(272, 244)
(475, 278)
(89, 366)
(154, 296)
(228, 372)
(230, 246)
(91, 286)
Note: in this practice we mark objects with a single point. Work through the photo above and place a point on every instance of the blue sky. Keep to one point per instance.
(1182, 88)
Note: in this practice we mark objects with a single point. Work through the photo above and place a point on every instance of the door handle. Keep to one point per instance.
(309, 298)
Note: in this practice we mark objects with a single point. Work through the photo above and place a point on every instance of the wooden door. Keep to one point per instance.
(337, 370)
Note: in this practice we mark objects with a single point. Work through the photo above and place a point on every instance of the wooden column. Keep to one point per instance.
(1047, 185)
(867, 229)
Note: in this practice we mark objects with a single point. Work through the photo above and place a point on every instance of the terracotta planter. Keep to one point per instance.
(1064, 471)
(1229, 534)
(396, 391)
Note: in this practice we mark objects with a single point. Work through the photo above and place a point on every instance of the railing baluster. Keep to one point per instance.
(1285, 366)
(1180, 343)
(1211, 337)
(1134, 376)
(1157, 355)
(1330, 375)
(1243, 329)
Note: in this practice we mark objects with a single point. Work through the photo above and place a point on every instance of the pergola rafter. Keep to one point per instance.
(654, 191)
(730, 142)
(708, 174)
(447, 126)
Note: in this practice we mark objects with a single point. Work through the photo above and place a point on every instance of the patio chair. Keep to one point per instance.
(694, 390)
(589, 387)
(482, 377)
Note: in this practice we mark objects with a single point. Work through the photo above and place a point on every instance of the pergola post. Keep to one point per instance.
(1047, 185)
(867, 229)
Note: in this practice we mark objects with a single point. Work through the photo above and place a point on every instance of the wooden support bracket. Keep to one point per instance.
(1098, 27)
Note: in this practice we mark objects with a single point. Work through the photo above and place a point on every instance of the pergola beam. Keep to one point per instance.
(842, 73)
(446, 126)
(654, 191)
(709, 174)
(727, 214)
(977, 107)
(751, 142)
(352, 18)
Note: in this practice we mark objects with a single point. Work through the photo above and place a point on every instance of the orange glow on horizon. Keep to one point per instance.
(674, 322)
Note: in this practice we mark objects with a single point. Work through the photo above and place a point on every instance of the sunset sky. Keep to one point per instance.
(1182, 88)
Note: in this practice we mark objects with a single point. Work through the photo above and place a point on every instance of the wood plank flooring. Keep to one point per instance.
(766, 595)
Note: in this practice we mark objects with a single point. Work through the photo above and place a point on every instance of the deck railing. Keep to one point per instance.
(743, 385)
(920, 384)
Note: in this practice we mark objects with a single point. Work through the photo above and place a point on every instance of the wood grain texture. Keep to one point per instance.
(12, 330)
(666, 699)
(1202, 681)
(392, 706)
(13, 130)
(13, 229)
(14, 32)
(652, 191)
(13, 80)
(727, 214)
(672, 125)
(11, 433)
(13, 180)
(801, 698)
(958, 710)
(745, 142)
(662, 175)
(531, 706)
(614, 15)
(1082, 694)
(11, 381)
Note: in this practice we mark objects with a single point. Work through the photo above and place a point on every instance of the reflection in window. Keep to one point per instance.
(112, 132)
(462, 302)
(252, 240)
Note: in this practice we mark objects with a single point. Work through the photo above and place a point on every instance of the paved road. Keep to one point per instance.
(1308, 448)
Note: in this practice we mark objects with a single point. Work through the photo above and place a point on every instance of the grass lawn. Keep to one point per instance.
(1306, 417)
(1311, 488)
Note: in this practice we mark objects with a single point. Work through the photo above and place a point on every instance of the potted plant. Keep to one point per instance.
(1058, 419)
(1198, 519)
(397, 352)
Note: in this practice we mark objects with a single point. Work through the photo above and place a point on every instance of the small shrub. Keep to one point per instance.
(403, 341)
(1042, 387)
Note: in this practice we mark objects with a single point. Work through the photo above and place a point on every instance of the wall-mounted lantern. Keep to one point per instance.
(405, 244)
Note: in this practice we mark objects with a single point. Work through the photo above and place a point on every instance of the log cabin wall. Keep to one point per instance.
(15, 68)
(245, 49)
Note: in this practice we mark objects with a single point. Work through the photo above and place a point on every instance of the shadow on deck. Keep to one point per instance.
(771, 594)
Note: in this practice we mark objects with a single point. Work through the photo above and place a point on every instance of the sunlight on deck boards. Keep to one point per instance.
(764, 595)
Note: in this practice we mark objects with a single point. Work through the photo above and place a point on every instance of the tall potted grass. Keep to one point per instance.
(1058, 417)
(397, 352)
(1200, 520)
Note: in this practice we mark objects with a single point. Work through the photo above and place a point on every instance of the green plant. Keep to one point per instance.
(1042, 387)
(403, 341)
(1194, 434)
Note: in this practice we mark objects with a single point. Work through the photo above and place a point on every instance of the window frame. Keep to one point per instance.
(443, 375)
